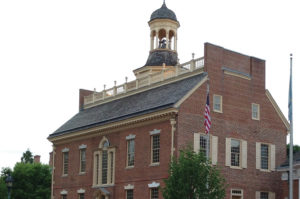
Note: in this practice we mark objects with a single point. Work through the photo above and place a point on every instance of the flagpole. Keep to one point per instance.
(291, 130)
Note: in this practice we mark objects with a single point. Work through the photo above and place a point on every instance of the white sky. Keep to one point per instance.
(51, 49)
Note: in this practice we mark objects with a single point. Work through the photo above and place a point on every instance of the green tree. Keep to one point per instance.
(192, 176)
(296, 148)
(6, 171)
(31, 181)
(27, 157)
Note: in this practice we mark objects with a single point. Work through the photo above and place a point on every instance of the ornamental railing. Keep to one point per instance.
(187, 67)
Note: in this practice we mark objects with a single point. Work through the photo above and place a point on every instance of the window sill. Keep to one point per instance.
(81, 173)
(217, 111)
(235, 167)
(154, 164)
(129, 167)
(265, 170)
(257, 119)
(64, 175)
(103, 186)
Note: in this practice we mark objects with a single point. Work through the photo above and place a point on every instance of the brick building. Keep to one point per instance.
(120, 142)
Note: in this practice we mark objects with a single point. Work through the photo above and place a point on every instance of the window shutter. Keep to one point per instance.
(228, 152)
(257, 195)
(272, 195)
(273, 161)
(244, 154)
(257, 155)
(196, 142)
(214, 150)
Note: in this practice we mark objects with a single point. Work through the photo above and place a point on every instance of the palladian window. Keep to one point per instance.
(104, 166)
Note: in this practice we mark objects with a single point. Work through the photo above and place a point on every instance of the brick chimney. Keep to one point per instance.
(37, 159)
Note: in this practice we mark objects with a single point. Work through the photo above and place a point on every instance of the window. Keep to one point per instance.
(104, 166)
(265, 156)
(154, 193)
(203, 144)
(63, 196)
(217, 103)
(235, 152)
(255, 111)
(81, 196)
(264, 149)
(129, 194)
(130, 152)
(82, 160)
(264, 195)
(65, 163)
(155, 148)
(236, 194)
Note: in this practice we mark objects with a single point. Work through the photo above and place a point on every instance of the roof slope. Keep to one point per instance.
(141, 103)
(296, 160)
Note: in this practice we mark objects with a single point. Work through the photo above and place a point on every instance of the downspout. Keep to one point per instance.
(173, 123)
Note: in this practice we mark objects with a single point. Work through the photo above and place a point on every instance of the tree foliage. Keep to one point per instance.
(31, 181)
(27, 157)
(192, 176)
(296, 148)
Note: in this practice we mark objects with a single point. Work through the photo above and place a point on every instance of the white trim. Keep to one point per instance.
(221, 103)
(277, 109)
(128, 187)
(155, 132)
(154, 185)
(83, 146)
(65, 150)
(130, 137)
(258, 111)
(81, 190)
(64, 192)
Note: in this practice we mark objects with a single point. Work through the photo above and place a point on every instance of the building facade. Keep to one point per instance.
(120, 143)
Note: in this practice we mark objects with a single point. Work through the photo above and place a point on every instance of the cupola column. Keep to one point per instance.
(167, 38)
(157, 40)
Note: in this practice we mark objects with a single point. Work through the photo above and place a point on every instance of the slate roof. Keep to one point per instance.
(149, 101)
(163, 13)
(158, 57)
(296, 160)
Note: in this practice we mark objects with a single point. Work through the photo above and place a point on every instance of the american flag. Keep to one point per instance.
(207, 121)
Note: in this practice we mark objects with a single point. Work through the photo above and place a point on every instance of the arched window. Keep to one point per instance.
(104, 167)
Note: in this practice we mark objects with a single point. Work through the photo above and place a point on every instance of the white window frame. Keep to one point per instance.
(271, 195)
(243, 153)
(65, 170)
(215, 97)
(153, 133)
(97, 171)
(128, 153)
(81, 171)
(271, 157)
(213, 146)
(126, 192)
(237, 194)
(257, 117)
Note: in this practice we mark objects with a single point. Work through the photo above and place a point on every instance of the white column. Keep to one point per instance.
(167, 37)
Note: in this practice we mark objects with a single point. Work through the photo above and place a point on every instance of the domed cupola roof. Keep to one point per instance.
(163, 13)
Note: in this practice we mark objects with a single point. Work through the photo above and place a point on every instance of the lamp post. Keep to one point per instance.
(9, 182)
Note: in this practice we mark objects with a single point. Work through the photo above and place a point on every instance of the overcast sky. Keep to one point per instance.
(51, 49)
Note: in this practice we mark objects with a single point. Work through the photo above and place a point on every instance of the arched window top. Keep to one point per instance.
(104, 143)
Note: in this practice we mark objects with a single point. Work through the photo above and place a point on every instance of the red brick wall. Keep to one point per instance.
(140, 176)
(285, 189)
(235, 121)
